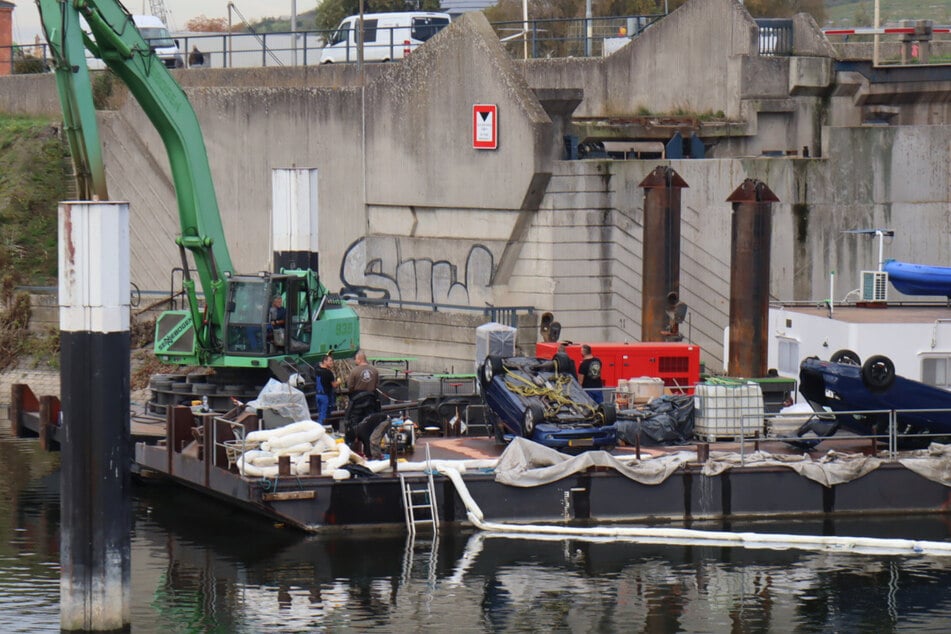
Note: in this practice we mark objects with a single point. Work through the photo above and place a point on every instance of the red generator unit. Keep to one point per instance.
(677, 364)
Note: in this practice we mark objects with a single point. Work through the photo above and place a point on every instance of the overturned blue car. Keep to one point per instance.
(861, 395)
(528, 398)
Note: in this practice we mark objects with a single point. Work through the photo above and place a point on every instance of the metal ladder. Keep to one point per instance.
(420, 498)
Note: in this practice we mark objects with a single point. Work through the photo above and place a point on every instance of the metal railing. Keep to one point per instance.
(507, 315)
(895, 438)
(543, 38)
(775, 36)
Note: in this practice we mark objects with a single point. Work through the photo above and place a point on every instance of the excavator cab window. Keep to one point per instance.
(246, 332)
(298, 302)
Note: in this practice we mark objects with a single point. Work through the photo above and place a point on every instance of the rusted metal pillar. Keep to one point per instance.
(749, 278)
(96, 501)
(661, 270)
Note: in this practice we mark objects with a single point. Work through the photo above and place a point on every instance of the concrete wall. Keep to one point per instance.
(438, 342)
(658, 71)
(409, 211)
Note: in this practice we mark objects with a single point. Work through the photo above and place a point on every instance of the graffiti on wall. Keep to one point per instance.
(376, 268)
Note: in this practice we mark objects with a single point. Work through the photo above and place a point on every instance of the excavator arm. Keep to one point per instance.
(114, 39)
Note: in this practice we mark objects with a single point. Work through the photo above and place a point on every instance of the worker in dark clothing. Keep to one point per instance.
(590, 373)
(561, 363)
(325, 385)
(196, 58)
(370, 432)
(361, 383)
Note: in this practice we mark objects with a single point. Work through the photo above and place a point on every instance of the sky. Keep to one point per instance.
(26, 18)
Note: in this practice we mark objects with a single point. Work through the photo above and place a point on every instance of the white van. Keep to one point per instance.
(160, 40)
(386, 36)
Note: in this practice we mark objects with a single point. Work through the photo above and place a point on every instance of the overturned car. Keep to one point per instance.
(529, 398)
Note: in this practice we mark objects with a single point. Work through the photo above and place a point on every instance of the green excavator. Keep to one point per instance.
(229, 327)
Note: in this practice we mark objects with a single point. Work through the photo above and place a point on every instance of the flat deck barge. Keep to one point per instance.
(748, 488)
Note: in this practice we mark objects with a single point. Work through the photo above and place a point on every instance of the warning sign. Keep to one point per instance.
(485, 126)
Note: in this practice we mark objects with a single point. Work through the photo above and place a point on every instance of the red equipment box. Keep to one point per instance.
(678, 364)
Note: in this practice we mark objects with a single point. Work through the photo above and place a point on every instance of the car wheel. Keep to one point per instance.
(878, 373)
(491, 368)
(607, 413)
(845, 356)
(533, 414)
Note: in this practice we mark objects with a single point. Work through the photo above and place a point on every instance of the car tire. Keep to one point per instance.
(607, 414)
(533, 415)
(878, 373)
(845, 356)
(491, 368)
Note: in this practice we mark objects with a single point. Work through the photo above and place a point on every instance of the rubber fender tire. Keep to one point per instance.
(845, 356)
(878, 373)
(532, 415)
(608, 413)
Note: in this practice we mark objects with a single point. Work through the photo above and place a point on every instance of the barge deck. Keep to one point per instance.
(195, 454)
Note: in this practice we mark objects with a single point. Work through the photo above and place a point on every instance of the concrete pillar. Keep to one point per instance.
(6, 38)
(294, 216)
(749, 278)
(661, 258)
(96, 451)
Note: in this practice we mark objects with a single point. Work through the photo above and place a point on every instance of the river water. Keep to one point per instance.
(199, 566)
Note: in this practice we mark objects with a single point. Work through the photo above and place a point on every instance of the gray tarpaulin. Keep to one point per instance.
(831, 469)
(933, 463)
(528, 464)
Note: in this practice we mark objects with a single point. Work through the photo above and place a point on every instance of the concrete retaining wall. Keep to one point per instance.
(409, 211)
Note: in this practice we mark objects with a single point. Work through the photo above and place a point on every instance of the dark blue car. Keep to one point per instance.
(530, 399)
(844, 384)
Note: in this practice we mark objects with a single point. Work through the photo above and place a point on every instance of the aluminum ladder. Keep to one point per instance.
(420, 500)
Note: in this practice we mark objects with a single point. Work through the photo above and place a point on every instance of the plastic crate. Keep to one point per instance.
(728, 411)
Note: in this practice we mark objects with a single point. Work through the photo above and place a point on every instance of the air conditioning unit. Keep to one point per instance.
(874, 286)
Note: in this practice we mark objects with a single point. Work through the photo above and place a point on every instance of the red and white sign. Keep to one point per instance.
(485, 126)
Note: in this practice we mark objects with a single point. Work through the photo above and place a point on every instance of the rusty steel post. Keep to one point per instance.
(749, 278)
(661, 257)
(316, 464)
(283, 465)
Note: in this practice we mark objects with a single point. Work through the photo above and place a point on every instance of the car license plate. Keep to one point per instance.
(581, 442)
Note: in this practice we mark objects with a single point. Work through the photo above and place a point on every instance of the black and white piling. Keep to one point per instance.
(94, 339)
(294, 215)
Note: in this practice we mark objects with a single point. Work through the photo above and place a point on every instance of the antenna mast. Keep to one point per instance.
(157, 7)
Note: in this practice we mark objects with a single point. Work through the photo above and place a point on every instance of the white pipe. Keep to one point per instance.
(684, 536)
(831, 292)
(881, 250)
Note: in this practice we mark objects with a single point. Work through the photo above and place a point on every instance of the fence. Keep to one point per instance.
(542, 38)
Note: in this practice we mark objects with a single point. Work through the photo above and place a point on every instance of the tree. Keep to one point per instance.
(204, 24)
(331, 12)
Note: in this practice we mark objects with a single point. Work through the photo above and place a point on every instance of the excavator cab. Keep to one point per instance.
(248, 328)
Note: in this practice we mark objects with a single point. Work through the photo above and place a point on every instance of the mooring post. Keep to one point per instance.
(96, 452)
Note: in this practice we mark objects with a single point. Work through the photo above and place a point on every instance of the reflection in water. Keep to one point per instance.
(200, 566)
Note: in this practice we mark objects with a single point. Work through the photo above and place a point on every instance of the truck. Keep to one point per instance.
(386, 36)
(155, 32)
(228, 328)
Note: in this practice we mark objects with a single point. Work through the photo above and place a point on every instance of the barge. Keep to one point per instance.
(729, 480)
(724, 481)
